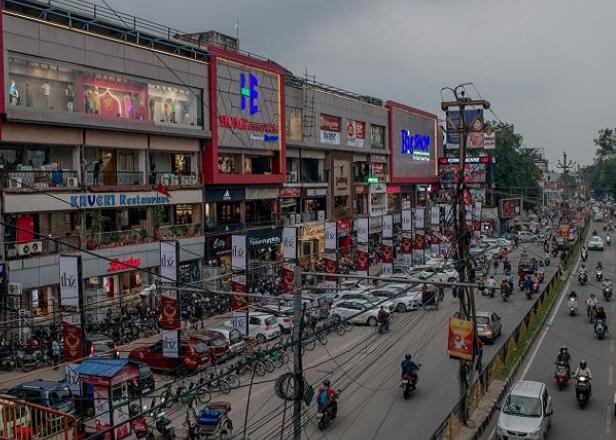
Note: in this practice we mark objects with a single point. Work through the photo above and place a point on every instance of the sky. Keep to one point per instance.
(547, 66)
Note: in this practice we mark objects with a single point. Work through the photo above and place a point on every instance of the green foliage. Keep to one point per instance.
(601, 175)
(516, 173)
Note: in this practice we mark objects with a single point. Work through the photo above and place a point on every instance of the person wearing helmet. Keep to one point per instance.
(326, 396)
(563, 356)
(601, 316)
(591, 306)
(583, 371)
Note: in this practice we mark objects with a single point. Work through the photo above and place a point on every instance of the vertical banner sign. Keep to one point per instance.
(238, 264)
(169, 257)
(460, 339)
(406, 246)
(435, 216)
(331, 258)
(70, 300)
(387, 247)
(419, 247)
(477, 216)
(170, 306)
(289, 253)
(420, 218)
(362, 263)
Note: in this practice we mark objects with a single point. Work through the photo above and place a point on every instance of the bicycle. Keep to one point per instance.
(311, 341)
(217, 382)
(279, 356)
(257, 363)
(185, 394)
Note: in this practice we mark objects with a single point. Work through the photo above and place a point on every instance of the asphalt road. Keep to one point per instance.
(597, 420)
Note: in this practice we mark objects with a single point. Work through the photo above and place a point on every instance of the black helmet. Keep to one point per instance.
(563, 348)
(583, 365)
(408, 357)
(326, 382)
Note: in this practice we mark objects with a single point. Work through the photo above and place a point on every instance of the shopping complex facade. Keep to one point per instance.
(118, 133)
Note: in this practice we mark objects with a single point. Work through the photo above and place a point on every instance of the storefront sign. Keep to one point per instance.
(420, 218)
(330, 130)
(239, 302)
(224, 194)
(73, 341)
(377, 188)
(262, 238)
(171, 343)
(70, 280)
(289, 242)
(477, 159)
(407, 220)
(356, 134)
(331, 236)
(510, 208)
(377, 169)
(110, 200)
(169, 259)
(393, 189)
(116, 264)
(290, 192)
(238, 252)
(218, 245)
(342, 177)
(460, 339)
(315, 192)
(416, 145)
(473, 123)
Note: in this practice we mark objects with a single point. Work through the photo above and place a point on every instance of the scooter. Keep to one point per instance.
(572, 306)
(562, 374)
(600, 328)
(140, 424)
(583, 391)
(607, 293)
(582, 279)
(599, 275)
(326, 415)
(408, 385)
(505, 291)
(584, 256)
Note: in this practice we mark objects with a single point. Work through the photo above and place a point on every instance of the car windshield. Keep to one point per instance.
(271, 321)
(372, 298)
(482, 320)
(60, 396)
(218, 342)
(522, 406)
(199, 347)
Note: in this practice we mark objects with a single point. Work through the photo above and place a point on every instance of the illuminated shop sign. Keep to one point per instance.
(249, 92)
(116, 199)
(244, 124)
(481, 159)
(129, 263)
(416, 145)
(267, 138)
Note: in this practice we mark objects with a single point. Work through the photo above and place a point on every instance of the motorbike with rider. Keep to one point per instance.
(600, 324)
(384, 319)
(408, 376)
(562, 371)
(582, 275)
(607, 289)
(327, 404)
(583, 387)
(572, 303)
(591, 307)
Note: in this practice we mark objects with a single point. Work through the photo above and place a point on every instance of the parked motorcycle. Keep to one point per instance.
(562, 374)
(583, 391)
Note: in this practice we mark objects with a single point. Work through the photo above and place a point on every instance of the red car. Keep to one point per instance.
(194, 353)
(218, 347)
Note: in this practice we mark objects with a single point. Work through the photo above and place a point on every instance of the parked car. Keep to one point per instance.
(50, 393)
(489, 326)
(444, 275)
(194, 354)
(526, 412)
(261, 326)
(401, 296)
(358, 312)
(218, 347)
(283, 313)
(99, 345)
(595, 243)
(233, 338)
(145, 383)
(365, 295)
(526, 236)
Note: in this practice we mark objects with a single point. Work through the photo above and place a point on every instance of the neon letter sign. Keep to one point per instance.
(249, 92)
(416, 145)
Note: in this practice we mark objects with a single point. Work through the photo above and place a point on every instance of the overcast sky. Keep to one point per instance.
(548, 66)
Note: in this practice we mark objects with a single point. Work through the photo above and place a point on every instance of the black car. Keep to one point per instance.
(146, 383)
(49, 393)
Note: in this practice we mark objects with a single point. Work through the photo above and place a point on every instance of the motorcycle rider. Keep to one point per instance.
(491, 285)
(591, 303)
(564, 357)
(327, 395)
(601, 316)
(573, 295)
(583, 371)
(582, 273)
(528, 283)
(599, 266)
(607, 284)
(409, 368)
(383, 317)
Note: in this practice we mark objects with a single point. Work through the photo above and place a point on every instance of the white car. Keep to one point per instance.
(358, 312)
(445, 275)
(365, 295)
(526, 236)
(261, 326)
(595, 243)
(402, 298)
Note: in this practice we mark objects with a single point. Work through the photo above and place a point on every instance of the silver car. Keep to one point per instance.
(526, 412)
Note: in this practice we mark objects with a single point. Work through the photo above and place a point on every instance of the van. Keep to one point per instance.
(49, 393)
(526, 412)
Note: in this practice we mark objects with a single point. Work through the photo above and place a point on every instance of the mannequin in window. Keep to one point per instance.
(88, 104)
(46, 88)
(173, 120)
(152, 108)
(69, 93)
(13, 94)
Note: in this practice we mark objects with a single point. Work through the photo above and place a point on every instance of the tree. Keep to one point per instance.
(606, 143)
(601, 175)
(516, 173)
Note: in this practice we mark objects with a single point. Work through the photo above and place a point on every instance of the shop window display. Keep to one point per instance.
(44, 85)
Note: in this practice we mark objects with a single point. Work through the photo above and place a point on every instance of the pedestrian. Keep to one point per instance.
(96, 172)
(55, 352)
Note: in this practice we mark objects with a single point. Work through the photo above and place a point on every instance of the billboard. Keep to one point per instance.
(356, 133)
(510, 208)
(473, 124)
(460, 339)
(248, 106)
(329, 132)
(413, 135)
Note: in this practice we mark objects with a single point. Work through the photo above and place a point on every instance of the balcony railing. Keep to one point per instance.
(171, 179)
(179, 231)
(43, 246)
(23, 181)
(98, 240)
(114, 178)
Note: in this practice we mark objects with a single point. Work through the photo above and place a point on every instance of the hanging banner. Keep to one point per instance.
(288, 277)
(460, 339)
(169, 257)
(331, 236)
(330, 258)
(387, 246)
(171, 343)
(406, 248)
(418, 248)
(238, 285)
(407, 220)
(362, 255)
(419, 218)
(70, 280)
(388, 226)
(73, 341)
(477, 211)
(238, 252)
(170, 319)
(289, 243)
(435, 216)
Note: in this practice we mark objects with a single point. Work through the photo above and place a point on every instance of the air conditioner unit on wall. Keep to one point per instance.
(33, 247)
(72, 182)
(15, 289)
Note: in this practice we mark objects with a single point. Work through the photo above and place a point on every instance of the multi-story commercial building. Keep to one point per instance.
(118, 133)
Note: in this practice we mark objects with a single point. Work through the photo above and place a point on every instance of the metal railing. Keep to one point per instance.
(114, 178)
(24, 181)
(117, 238)
(171, 179)
(42, 246)
(179, 231)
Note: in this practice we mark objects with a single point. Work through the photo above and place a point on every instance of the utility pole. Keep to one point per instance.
(464, 266)
(298, 374)
(565, 166)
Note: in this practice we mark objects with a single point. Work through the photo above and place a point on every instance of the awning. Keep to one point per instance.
(101, 367)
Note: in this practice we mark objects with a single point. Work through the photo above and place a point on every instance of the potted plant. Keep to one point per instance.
(97, 224)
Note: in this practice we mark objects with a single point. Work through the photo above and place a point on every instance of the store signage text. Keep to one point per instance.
(239, 123)
(267, 138)
(116, 199)
(480, 159)
(116, 264)
(265, 241)
(416, 145)
(249, 93)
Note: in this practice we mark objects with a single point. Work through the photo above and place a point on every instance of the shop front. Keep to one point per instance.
(262, 207)
(314, 204)
(224, 207)
(341, 186)
(377, 199)
(264, 255)
(375, 233)
(393, 198)
(218, 251)
(312, 242)
(290, 205)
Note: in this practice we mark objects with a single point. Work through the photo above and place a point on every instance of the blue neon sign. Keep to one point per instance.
(416, 145)
(249, 93)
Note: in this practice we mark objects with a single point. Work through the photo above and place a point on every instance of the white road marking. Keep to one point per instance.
(611, 376)
(608, 420)
(545, 330)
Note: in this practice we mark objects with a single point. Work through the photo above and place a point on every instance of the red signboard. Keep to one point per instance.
(116, 264)
(407, 245)
(387, 253)
(170, 313)
(361, 262)
(73, 344)
(330, 123)
(288, 278)
(460, 339)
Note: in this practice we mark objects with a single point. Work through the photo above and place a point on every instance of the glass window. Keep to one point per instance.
(360, 171)
(294, 124)
(45, 85)
(230, 163)
(377, 136)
